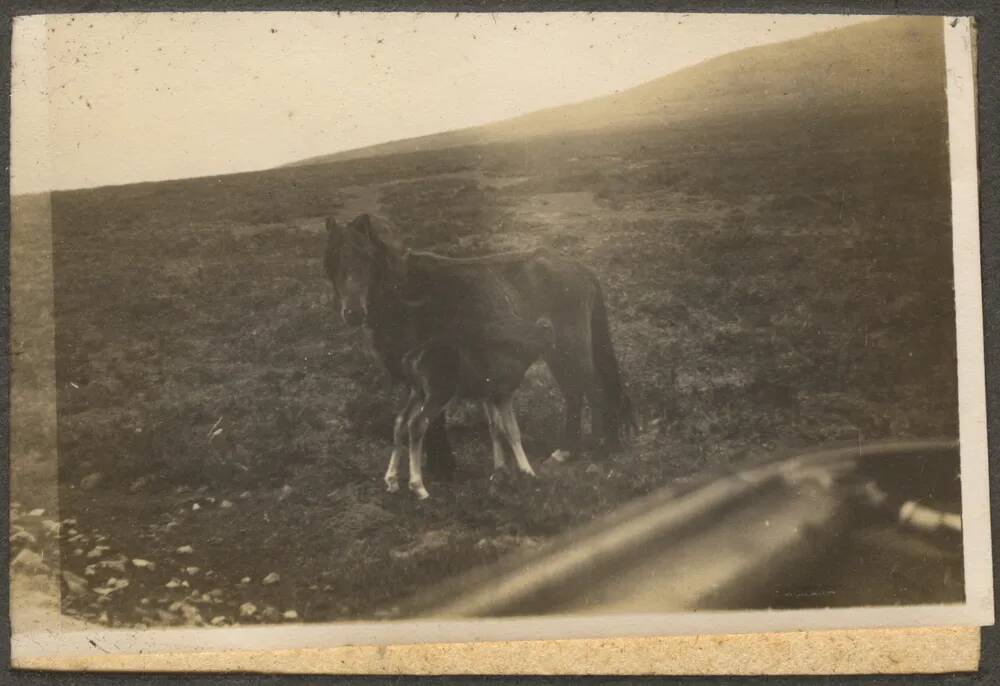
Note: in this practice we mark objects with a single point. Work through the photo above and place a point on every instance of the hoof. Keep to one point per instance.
(420, 491)
(529, 472)
(560, 456)
(392, 486)
(500, 474)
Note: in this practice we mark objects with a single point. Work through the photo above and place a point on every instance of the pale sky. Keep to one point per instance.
(117, 98)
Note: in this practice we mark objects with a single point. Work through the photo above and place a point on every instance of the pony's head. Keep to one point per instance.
(354, 260)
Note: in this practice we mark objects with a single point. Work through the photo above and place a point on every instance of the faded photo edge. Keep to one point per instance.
(51, 642)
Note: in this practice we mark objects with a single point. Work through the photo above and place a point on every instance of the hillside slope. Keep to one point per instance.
(869, 67)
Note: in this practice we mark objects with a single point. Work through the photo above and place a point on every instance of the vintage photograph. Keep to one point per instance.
(375, 319)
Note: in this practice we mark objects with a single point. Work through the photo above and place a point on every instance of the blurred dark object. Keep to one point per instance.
(860, 525)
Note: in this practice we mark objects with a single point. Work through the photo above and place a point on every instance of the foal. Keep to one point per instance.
(488, 368)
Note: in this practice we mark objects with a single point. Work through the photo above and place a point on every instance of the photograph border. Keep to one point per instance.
(971, 387)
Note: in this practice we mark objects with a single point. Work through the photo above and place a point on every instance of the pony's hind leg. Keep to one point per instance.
(493, 418)
(398, 429)
(509, 423)
(568, 378)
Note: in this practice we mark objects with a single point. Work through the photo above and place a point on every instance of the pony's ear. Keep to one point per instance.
(364, 225)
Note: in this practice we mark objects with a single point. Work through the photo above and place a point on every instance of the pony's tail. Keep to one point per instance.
(619, 417)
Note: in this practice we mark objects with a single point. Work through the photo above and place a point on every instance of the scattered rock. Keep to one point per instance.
(91, 481)
(111, 586)
(286, 491)
(290, 615)
(78, 551)
(167, 617)
(98, 551)
(245, 580)
(37, 512)
(191, 571)
(216, 594)
(50, 527)
(196, 506)
(144, 564)
(116, 565)
(507, 542)
(244, 495)
(138, 485)
(429, 542)
(75, 584)
(219, 621)
(592, 469)
(192, 615)
(90, 570)
(145, 602)
(345, 493)
(23, 538)
(271, 578)
(173, 583)
(28, 561)
(225, 504)
(270, 614)
(248, 610)
(70, 521)
(185, 550)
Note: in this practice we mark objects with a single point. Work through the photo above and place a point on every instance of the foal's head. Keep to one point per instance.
(355, 259)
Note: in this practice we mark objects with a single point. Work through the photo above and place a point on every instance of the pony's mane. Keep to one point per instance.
(379, 228)
(509, 257)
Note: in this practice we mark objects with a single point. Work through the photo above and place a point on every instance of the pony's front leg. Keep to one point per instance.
(392, 473)
(418, 424)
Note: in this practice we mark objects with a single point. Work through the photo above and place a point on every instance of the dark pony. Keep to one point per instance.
(408, 298)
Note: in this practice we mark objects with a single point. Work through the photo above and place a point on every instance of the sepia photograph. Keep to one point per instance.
(363, 328)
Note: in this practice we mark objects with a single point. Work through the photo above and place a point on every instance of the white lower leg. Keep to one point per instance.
(418, 427)
(392, 473)
(398, 429)
(514, 435)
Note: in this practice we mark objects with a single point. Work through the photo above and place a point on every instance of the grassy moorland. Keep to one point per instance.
(777, 276)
